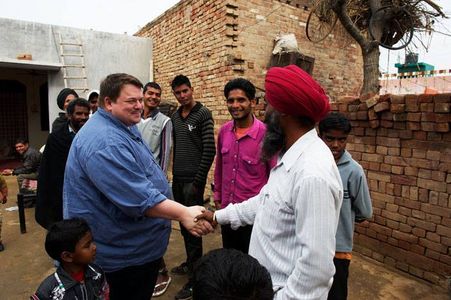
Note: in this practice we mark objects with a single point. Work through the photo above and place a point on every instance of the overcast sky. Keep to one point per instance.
(129, 16)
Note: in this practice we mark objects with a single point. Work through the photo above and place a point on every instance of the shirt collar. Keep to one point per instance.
(296, 150)
(253, 129)
(132, 130)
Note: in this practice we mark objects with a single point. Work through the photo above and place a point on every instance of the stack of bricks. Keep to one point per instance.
(404, 144)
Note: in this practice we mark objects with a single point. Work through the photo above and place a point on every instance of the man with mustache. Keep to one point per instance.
(49, 203)
(239, 171)
(295, 215)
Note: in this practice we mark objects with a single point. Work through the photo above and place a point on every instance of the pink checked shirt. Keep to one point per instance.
(239, 173)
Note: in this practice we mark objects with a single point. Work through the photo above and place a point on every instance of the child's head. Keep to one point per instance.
(231, 274)
(334, 130)
(70, 241)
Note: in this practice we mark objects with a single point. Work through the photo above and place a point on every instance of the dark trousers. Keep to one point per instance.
(339, 289)
(186, 195)
(135, 282)
(236, 239)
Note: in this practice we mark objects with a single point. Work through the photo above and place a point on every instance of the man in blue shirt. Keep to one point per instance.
(113, 182)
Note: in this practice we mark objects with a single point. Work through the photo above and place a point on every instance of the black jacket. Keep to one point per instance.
(61, 286)
(49, 203)
(59, 122)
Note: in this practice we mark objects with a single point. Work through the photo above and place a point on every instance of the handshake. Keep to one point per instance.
(198, 220)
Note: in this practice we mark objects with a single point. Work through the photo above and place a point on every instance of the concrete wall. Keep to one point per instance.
(105, 53)
(404, 144)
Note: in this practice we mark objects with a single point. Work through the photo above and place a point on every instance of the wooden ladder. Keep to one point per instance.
(73, 61)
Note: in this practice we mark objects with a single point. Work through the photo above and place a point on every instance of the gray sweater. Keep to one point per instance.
(356, 201)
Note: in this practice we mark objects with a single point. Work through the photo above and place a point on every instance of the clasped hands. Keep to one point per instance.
(199, 221)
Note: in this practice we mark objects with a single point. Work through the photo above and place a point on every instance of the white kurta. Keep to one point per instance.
(295, 219)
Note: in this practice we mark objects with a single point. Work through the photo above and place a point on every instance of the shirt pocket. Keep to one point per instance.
(225, 152)
(250, 165)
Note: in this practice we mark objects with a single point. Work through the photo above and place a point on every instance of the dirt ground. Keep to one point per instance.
(24, 264)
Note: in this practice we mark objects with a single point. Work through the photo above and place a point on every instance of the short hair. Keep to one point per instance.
(21, 140)
(180, 80)
(64, 236)
(77, 102)
(231, 274)
(334, 121)
(240, 83)
(92, 95)
(152, 84)
(111, 86)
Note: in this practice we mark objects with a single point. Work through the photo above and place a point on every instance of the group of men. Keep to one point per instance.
(277, 188)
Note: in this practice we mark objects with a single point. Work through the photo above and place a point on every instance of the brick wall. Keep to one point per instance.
(404, 144)
(214, 41)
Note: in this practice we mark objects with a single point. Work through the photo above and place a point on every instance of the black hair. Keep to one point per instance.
(180, 80)
(152, 84)
(21, 140)
(77, 102)
(231, 274)
(93, 95)
(64, 236)
(240, 83)
(334, 121)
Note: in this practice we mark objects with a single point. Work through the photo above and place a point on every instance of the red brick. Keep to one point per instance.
(423, 195)
(394, 216)
(442, 98)
(428, 126)
(386, 115)
(397, 108)
(404, 245)
(436, 210)
(419, 232)
(391, 207)
(374, 123)
(379, 176)
(419, 261)
(381, 229)
(433, 218)
(410, 238)
(425, 98)
(405, 211)
(446, 241)
(412, 106)
(441, 107)
(386, 168)
(372, 157)
(405, 228)
(444, 231)
(421, 224)
(427, 107)
(397, 99)
(408, 203)
(434, 237)
(414, 117)
(386, 123)
(428, 117)
(431, 185)
(362, 115)
(415, 271)
(413, 125)
(433, 197)
(411, 171)
(382, 150)
(397, 170)
(424, 173)
(403, 180)
(432, 245)
(413, 193)
(382, 106)
(420, 135)
(432, 254)
(441, 127)
(433, 155)
(431, 277)
(415, 248)
(442, 118)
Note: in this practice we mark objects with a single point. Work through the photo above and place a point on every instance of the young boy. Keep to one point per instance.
(356, 207)
(70, 242)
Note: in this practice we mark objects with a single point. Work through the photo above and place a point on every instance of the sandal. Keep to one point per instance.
(163, 286)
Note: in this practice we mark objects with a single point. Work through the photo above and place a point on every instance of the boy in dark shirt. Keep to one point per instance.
(70, 242)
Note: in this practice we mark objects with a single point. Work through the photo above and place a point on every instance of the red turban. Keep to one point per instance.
(292, 91)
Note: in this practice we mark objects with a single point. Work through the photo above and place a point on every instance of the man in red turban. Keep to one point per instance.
(295, 215)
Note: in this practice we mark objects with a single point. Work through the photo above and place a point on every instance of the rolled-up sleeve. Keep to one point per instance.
(116, 174)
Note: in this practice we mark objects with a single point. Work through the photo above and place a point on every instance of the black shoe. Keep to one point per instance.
(180, 270)
(2, 247)
(185, 293)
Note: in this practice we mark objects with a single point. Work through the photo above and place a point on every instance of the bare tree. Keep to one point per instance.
(373, 23)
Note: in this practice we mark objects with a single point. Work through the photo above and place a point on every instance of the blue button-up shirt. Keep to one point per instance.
(111, 179)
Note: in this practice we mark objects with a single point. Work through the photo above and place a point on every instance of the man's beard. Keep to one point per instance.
(274, 139)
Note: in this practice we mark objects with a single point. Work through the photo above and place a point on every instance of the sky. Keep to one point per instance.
(119, 16)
